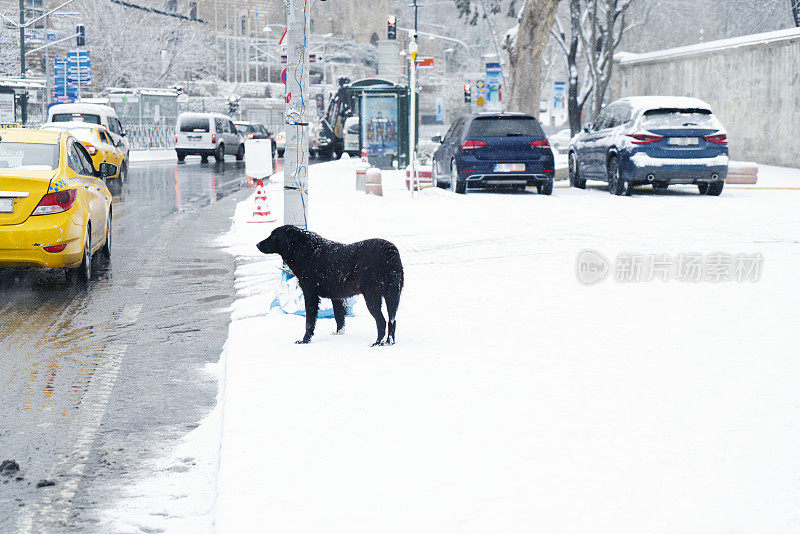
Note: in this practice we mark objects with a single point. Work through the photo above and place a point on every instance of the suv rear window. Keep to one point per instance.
(679, 118)
(194, 124)
(80, 117)
(505, 126)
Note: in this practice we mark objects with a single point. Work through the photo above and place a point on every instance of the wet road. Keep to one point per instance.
(97, 381)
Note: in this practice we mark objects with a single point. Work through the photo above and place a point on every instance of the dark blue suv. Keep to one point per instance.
(657, 140)
(494, 150)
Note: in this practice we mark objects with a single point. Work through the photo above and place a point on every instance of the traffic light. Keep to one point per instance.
(391, 28)
(467, 94)
(81, 35)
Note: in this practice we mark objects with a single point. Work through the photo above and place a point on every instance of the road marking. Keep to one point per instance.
(54, 505)
(130, 314)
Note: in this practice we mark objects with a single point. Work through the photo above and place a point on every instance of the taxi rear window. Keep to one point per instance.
(28, 156)
(80, 117)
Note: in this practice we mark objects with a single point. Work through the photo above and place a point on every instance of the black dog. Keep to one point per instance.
(336, 271)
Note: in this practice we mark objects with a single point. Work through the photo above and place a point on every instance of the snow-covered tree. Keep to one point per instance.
(9, 51)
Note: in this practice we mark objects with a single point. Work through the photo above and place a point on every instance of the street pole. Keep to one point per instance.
(413, 47)
(295, 181)
(23, 96)
(227, 43)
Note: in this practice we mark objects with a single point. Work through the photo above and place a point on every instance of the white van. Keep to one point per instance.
(94, 114)
(351, 136)
(207, 134)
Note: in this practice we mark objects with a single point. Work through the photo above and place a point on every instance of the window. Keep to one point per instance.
(680, 118)
(602, 119)
(505, 127)
(219, 125)
(28, 156)
(194, 124)
(86, 166)
(231, 127)
(114, 125)
(79, 117)
(104, 138)
(73, 160)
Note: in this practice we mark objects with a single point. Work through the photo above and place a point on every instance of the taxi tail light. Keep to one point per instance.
(56, 202)
(92, 150)
(55, 248)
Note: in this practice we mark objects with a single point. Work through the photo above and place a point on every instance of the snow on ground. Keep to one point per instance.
(516, 399)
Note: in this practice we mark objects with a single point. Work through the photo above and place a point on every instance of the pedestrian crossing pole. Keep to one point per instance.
(295, 163)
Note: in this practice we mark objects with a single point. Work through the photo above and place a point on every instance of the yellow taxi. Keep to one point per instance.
(55, 208)
(97, 142)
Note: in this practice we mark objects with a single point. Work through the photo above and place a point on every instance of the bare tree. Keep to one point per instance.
(596, 30)
(9, 51)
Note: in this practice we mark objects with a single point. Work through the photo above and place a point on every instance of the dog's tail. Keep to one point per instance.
(393, 282)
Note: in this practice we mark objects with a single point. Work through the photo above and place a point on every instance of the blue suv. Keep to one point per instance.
(494, 150)
(657, 140)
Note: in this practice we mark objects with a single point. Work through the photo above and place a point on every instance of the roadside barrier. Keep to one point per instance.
(374, 185)
(361, 177)
(261, 214)
(147, 136)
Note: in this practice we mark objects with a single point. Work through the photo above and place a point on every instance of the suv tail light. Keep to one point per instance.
(540, 143)
(644, 138)
(250, 135)
(56, 202)
(91, 149)
(471, 143)
(719, 139)
(213, 138)
(176, 138)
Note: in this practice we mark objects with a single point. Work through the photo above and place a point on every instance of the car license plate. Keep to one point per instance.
(195, 138)
(6, 205)
(683, 141)
(509, 167)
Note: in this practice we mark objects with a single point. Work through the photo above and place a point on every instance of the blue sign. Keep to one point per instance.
(494, 84)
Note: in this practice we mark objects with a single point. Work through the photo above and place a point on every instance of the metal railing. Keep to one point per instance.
(150, 136)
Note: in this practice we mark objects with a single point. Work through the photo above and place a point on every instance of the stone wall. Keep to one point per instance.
(752, 84)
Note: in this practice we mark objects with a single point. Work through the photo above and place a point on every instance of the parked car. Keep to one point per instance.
(55, 208)
(658, 140)
(352, 145)
(494, 150)
(97, 142)
(254, 130)
(559, 142)
(100, 114)
(207, 134)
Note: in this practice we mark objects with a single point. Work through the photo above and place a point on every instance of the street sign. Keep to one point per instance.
(424, 62)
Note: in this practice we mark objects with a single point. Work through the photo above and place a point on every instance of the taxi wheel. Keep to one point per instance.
(84, 272)
(107, 247)
(123, 172)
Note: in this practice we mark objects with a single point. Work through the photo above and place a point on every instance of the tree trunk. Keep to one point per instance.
(525, 57)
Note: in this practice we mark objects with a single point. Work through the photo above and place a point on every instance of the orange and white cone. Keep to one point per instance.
(364, 154)
(261, 214)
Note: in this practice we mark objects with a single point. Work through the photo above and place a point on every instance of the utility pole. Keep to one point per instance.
(295, 174)
(227, 43)
(23, 96)
(413, 48)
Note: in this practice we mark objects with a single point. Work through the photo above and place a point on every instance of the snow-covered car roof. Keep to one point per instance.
(645, 103)
(81, 107)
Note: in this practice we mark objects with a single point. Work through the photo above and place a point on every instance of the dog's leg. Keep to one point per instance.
(312, 306)
(373, 302)
(338, 313)
(392, 302)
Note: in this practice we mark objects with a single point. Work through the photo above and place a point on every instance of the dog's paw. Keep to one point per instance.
(302, 342)
(338, 332)
(378, 344)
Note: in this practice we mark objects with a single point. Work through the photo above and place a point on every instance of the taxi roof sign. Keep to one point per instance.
(7, 125)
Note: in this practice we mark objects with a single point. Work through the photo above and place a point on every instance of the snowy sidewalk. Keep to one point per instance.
(517, 399)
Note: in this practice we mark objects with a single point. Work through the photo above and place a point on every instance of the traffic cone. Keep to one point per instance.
(364, 155)
(261, 213)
